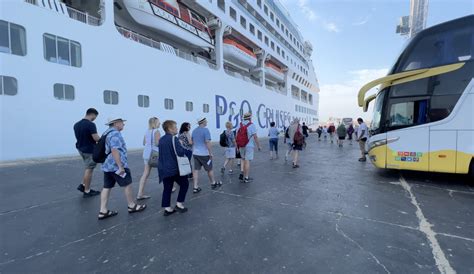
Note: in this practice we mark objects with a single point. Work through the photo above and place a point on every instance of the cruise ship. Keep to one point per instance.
(173, 59)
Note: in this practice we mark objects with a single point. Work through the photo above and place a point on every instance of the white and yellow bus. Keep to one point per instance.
(424, 110)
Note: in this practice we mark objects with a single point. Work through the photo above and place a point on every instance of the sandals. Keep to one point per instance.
(143, 197)
(136, 208)
(107, 214)
(197, 190)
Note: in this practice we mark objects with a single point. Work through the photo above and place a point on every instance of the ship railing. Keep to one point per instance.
(158, 45)
(72, 12)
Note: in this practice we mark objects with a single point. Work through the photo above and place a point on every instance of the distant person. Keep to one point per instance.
(362, 135)
(150, 141)
(246, 140)
(168, 170)
(297, 140)
(116, 169)
(289, 143)
(305, 130)
(325, 133)
(319, 131)
(341, 134)
(350, 131)
(201, 138)
(273, 140)
(230, 149)
(86, 138)
(332, 132)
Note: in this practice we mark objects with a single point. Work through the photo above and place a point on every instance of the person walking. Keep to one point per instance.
(246, 140)
(289, 149)
(350, 131)
(297, 140)
(361, 137)
(331, 131)
(168, 170)
(150, 141)
(341, 134)
(230, 150)
(273, 140)
(325, 133)
(319, 131)
(201, 138)
(305, 130)
(86, 138)
(116, 169)
(186, 141)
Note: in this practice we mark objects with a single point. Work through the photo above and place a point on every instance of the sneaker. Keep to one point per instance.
(248, 180)
(80, 188)
(231, 171)
(91, 193)
(241, 176)
(168, 213)
(214, 185)
(223, 170)
(362, 159)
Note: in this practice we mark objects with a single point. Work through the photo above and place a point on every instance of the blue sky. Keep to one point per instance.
(355, 42)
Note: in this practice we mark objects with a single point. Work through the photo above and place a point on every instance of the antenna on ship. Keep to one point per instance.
(416, 21)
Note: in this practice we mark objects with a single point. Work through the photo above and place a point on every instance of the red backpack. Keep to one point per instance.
(242, 139)
(298, 139)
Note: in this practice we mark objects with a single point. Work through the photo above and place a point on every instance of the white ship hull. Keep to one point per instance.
(35, 124)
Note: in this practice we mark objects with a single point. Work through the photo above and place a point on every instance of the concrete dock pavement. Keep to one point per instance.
(333, 214)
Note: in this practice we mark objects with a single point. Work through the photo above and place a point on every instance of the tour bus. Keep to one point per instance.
(423, 115)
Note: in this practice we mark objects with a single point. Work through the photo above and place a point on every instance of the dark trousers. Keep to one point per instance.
(183, 183)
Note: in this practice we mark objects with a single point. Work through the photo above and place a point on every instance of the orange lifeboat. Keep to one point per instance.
(238, 54)
(273, 72)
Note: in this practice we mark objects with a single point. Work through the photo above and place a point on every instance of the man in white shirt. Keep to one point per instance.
(362, 135)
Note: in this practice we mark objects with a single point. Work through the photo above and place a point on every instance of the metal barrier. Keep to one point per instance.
(73, 13)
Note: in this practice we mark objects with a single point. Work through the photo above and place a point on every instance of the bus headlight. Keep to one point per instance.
(382, 142)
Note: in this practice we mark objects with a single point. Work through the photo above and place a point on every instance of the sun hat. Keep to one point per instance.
(114, 119)
(247, 116)
(201, 120)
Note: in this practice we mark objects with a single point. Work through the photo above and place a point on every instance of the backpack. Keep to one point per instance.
(298, 138)
(223, 139)
(99, 155)
(242, 138)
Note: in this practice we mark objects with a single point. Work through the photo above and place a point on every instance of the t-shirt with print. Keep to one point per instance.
(251, 130)
(273, 133)
(114, 140)
(230, 137)
(200, 136)
(83, 131)
(362, 127)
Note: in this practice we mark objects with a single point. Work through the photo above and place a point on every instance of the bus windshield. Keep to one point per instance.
(375, 125)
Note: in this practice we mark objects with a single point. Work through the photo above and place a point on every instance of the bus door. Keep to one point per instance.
(408, 136)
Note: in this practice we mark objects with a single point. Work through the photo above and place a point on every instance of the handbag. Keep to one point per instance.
(153, 160)
(184, 165)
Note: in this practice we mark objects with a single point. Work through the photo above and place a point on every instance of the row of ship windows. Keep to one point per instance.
(305, 110)
(56, 49)
(65, 92)
(260, 36)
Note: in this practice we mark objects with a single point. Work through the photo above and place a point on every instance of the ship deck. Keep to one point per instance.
(334, 214)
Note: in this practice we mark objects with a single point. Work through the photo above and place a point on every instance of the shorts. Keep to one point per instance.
(342, 138)
(88, 161)
(273, 144)
(202, 161)
(246, 153)
(230, 152)
(110, 178)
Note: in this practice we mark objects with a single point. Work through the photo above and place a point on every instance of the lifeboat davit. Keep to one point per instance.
(273, 72)
(171, 19)
(238, 54)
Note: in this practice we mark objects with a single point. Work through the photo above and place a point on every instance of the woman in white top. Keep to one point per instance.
(150, 141)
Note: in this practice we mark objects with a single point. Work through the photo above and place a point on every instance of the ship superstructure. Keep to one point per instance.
(140, 58)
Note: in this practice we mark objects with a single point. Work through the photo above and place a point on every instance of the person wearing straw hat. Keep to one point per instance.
(116, 169)
(202, 154)
(246, 139)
